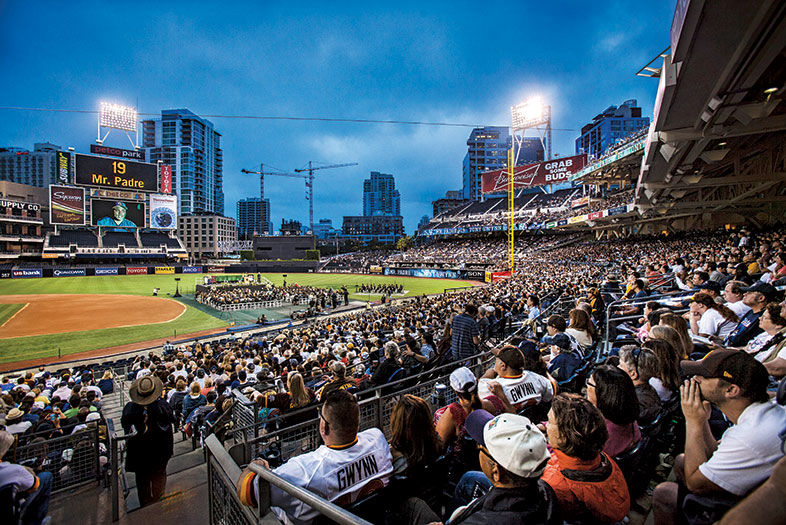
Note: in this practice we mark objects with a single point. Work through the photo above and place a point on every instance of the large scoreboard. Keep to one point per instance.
(104, 172)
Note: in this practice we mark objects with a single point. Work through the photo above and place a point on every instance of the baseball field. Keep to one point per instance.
(64, 316)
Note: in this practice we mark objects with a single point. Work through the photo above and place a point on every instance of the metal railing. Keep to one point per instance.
(247, 306)
(73, 460)
(664, 299)
(117, 469)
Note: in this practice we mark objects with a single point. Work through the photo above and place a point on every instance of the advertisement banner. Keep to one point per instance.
(115, 173)
(583, 201)
(117, 152)
(596, 215)
(192, 269)
(488, 277)
(617, 211)
(27, 273)
(374, 269)
(163, 211)
(166, 178)
(552, 224)
(5, 274)
(550, 172)
(216, 269)
(117, 194)
(63, 160)
(574, 220)
(69, 272)
(498, 276)
(136, 270)
(164, 270)
(117, 213)
(476, 275)
(562, 222)
(50, 255)
(106, 271)
(66, 205)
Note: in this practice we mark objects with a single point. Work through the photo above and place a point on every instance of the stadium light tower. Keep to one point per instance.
(532, 114)
(115, 116)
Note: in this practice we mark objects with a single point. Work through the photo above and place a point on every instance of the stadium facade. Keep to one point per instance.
(201, 234)
(192, 147)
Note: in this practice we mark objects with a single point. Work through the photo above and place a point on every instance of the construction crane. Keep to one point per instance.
(299, 174)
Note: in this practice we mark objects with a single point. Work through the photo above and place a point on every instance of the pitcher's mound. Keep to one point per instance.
(57, 313)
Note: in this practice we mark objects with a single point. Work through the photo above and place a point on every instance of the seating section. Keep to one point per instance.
(80, 237)
(113, 239)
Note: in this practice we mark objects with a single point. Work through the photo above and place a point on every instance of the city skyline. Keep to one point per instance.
(436, 63)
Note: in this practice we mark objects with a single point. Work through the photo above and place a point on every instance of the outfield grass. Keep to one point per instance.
(7, 311)
(193, 320)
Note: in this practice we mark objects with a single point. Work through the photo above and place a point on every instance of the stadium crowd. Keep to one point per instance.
(554, 429)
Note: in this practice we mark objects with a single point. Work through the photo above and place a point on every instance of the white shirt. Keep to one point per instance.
(142, 373)
(748, 450)
(12, 474)
(18, 428)
(738, 308)
(713, 323)
(757, 343)
(331, 473)
(527, 389)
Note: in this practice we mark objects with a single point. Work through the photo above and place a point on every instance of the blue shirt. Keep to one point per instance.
(464, 328)
(747, 329)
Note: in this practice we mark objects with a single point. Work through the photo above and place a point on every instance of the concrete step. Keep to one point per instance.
(177, 484)
(178, 463)
(185, 501)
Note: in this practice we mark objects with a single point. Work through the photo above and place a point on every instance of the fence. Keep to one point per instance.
(73, 460)
(264, 439)
(248, 306)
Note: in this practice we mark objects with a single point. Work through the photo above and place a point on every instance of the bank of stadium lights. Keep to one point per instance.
(116, 116)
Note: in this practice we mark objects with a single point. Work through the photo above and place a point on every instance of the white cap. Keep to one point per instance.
(463, 381)
(512, 440)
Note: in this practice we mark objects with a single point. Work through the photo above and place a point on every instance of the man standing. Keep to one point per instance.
(148, 453)
(737, 384)
(348, 465)
(465, 333)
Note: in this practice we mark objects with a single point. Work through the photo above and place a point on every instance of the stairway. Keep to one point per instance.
(185, 499)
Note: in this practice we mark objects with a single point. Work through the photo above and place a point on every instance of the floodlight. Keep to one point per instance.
(529, 114)
(117, 116)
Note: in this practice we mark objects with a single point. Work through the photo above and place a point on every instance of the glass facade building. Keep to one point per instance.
(610, 126)
(192, 147)
(380, 196)
(34, 168)
(253, 217)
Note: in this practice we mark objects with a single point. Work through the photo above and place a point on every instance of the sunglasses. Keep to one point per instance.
(485, 452)
(327, 425)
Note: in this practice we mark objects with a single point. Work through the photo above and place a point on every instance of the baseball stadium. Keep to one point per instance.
(568, 340)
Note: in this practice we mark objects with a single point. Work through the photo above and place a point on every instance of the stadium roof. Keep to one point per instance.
(716, 142)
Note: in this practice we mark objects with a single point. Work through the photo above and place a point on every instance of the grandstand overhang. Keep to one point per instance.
(716, 142)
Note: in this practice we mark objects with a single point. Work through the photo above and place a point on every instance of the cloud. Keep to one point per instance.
(611, 42)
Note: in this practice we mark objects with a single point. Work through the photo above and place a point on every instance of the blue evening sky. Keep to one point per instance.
(463, 62)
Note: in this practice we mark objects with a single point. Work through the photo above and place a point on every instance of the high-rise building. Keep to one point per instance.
(487, 149)
(253, 217)
(325, 230)
(610, 126)
(380, 228)
(34, 168)
(192, 147)
(201, 234)
(380, 196)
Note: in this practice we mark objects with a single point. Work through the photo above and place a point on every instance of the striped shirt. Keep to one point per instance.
(464, 328)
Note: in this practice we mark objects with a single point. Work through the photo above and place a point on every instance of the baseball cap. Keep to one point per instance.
(713, 286)
(734, 366)
(561, 340)
(463, 381)
(120, 204)
(512, 440)
(769, 291)
(511, 356)
(529, 349)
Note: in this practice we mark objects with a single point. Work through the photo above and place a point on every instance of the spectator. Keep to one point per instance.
(34, 488)
(106, 383)
(766, 346)
(414, 441)
(348, 462)
(512, 455)
(465, 333)
(612, 391)
(667, 382)
(194, 400)
(339, 380)
(14, 423)
(588, 483)
(641, 365)
(148, 453)
(389, 366)
(564, 360)
(581, 327)
(708, 318)
(757, 297)
(672, 320)
(737, 384)
(520, 387)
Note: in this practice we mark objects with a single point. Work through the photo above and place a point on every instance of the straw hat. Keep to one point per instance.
(145, 390)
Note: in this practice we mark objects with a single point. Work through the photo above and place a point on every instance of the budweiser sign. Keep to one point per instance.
(540, 174)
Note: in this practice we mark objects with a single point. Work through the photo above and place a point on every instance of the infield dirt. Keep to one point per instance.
(45, 314)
